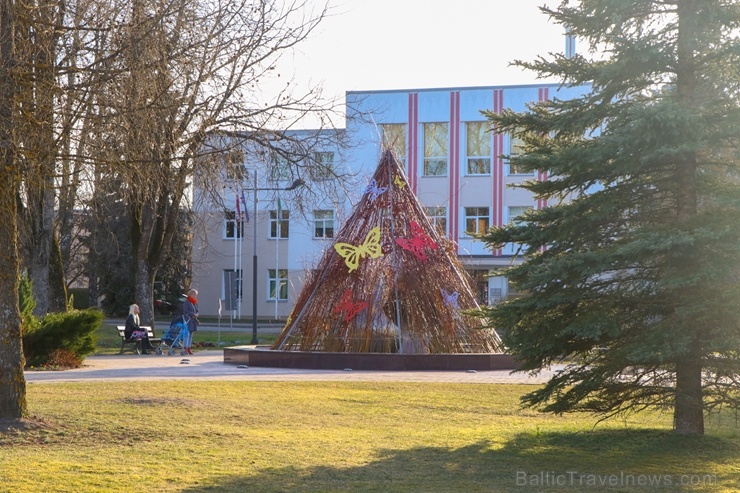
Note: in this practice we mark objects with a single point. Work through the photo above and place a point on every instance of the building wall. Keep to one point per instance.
(455, 190)
(215, 252)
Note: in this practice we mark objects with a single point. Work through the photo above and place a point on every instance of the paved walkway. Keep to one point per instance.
(209, 365)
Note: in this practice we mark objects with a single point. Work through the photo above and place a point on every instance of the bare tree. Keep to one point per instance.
(35, 47)
(192, 68)
(12, 382)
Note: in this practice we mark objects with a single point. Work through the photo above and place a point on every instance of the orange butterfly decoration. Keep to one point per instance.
(349, 307)
(417, 243)
(353, 254)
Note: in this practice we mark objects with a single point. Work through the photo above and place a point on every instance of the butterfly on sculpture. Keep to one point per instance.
(399, 182)
(374, 190)
(353, 254)
(450, 299)
(349, 307)
(417, 243)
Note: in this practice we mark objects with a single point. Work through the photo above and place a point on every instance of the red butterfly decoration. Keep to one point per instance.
(418, 242)
(350, 308)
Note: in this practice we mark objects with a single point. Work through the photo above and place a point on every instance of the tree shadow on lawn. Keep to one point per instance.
(542, 462)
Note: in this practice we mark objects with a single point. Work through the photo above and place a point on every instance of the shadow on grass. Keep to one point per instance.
(573, 462)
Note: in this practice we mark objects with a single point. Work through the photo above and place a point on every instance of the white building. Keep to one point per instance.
(453, 163)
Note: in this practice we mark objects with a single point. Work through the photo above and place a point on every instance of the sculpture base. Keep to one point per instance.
(315, 360)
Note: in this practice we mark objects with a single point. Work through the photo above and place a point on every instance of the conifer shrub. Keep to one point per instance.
(72, 331)
(57, 339)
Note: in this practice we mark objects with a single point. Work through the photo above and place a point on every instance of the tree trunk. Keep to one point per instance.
(689, 410)
(688, 416)
(144, 273)
(57, 284)
(12, 380)
(144, 291)
(41, 180)
(38, 269)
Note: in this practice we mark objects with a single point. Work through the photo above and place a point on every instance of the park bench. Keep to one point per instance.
(135, 347)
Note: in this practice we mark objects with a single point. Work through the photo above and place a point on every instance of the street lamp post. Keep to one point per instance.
(297, 183)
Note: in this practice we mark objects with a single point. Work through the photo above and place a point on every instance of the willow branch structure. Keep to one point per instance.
(388, 284)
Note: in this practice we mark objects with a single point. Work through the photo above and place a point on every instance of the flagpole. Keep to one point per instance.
(219, 321)
(296, 183)
(236, 243)
(277, 254)
(245, 212)
(241, 264)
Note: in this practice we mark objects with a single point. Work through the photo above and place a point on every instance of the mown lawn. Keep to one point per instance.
(265, 437)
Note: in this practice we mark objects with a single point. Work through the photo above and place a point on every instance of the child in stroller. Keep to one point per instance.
(173, 338)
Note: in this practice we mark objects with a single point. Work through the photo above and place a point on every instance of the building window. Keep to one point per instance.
(323, 166)
(438, 218)
(393, 137)
(323, 224)
(478, 148)
(277, 288)
(516, 212)
(232, 227)
(233, 162)
(279, 223)
(232, 288)
(516, 149)
(436, 138)
(476, 220)
(280, 170)
(494, 296)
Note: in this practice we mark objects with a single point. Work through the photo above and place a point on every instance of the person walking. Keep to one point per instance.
(190, 312)
(134, 331)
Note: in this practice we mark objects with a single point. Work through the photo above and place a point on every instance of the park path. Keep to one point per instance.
(209, 365)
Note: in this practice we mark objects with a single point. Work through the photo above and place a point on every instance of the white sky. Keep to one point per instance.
(410, 44)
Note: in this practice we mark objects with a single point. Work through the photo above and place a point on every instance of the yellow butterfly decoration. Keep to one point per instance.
(353, 254)
(398, 181)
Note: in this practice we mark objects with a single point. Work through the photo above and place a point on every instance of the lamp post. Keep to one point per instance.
(297, 183)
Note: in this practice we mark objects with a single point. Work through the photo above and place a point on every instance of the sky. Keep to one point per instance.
(415, 44)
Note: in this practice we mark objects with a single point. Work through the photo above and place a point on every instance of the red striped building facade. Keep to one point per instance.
(455, 164)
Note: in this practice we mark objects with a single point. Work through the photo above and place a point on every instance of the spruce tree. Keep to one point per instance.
(631, 273)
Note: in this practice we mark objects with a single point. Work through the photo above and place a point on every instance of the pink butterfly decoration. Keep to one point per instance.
(349, 307)
(418, 241)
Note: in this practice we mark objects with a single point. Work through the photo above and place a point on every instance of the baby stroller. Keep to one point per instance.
(173, 338)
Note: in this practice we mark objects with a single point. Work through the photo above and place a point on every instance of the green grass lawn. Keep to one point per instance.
(202, 436)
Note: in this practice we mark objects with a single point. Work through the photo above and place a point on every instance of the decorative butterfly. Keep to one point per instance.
(399, 182)
(418, 242)
(352, 254)
(374, 189)
(450, 299)
(349, 307)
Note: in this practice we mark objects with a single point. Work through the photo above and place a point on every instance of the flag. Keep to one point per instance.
(238, 210)
(279, 213)
(244, 203)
